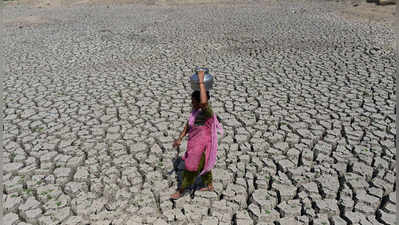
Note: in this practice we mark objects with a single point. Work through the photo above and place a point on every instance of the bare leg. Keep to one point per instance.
(209, 188)
(177, 195)
(188, 179)
(207, 178)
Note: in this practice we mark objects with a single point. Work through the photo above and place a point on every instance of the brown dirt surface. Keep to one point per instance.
(356, 10)
(71, 3)
(366, 11)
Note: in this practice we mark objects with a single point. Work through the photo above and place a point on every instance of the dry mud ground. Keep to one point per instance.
(96, 93)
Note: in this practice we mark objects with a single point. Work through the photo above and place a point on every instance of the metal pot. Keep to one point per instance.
(208, 79)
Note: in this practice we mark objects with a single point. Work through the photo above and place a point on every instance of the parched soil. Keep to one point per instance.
(96, 93)
(356, 9)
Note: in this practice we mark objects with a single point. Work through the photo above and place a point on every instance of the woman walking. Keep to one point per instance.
(202, 128)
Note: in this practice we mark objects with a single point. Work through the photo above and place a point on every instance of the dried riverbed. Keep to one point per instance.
(95, 95)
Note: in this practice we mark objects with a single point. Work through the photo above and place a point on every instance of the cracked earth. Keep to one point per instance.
(95, 94)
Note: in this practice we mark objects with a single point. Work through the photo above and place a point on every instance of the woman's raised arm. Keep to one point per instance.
(204, 98)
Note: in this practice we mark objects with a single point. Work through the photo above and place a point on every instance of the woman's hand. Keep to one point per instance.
(177, 143)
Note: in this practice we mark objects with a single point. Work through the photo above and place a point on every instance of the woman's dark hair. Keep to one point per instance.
(197, 95)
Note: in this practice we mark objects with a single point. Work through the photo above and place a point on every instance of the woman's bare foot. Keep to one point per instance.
(176, 195)
(209, 188)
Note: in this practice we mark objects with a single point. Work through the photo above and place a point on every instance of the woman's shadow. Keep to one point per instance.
(178, 168)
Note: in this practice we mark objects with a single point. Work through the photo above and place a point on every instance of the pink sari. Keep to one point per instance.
(202, 138)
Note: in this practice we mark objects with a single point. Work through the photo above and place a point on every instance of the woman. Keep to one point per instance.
(202, 128)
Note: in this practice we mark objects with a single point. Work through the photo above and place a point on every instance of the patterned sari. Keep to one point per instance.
(202, 145)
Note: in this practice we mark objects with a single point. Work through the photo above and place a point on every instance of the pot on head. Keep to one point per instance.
(208, 79)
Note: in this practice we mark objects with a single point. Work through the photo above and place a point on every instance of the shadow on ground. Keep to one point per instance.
(178, 168)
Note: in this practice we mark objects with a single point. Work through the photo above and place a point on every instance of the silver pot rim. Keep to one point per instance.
(198, 68)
